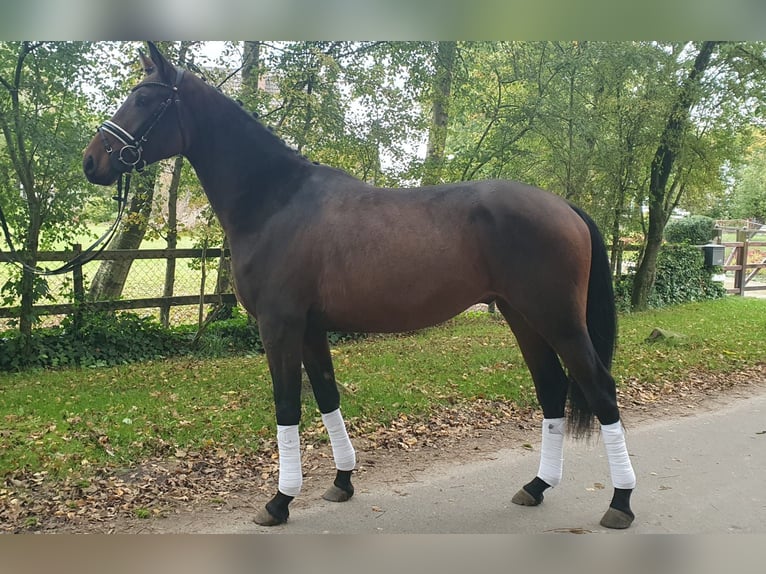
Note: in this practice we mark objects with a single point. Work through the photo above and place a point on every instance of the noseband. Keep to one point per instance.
(129, 156)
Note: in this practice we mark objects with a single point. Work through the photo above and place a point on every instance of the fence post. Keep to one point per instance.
(745, 258)
(79, 289)
(167, 292)
(741, 262)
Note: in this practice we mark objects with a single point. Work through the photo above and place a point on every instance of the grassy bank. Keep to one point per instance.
(70, 422)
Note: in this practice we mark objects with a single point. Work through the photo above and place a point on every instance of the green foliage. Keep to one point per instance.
(681, 277)
(338, 337)
(108, 339)
(46, 121)
(101, 339)
(623, 289)
(12, 287)
(237, 335)
(749, 197)
(341, 103)
(693, 230)
(240, 335)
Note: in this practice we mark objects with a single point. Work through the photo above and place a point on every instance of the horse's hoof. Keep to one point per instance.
(337, 494)
(616, 519)
(523, 498)
(265, 518)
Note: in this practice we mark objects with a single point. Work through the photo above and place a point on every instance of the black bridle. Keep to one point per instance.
(130, 155)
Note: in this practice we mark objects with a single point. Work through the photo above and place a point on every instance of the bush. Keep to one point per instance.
(623, 289)
(102, 339)
(225, 337)
(240, 335)
(107, 339)
(692, 230)
(681, 277)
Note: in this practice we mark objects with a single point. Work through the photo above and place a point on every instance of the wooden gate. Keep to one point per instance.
(746, 258)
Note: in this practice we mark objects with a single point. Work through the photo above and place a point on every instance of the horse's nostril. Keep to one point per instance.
(89, 164)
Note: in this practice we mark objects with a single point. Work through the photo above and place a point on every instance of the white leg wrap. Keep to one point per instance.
(290, 474)
(552, 451)
(342, 449)
(617, 454)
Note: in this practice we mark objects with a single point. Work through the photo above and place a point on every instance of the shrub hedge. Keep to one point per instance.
(692, 230)
(106, 339)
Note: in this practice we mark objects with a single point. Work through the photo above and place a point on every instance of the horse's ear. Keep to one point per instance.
(159, 62)
(146, 62)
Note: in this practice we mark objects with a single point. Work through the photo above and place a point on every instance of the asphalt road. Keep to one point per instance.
(702, 473)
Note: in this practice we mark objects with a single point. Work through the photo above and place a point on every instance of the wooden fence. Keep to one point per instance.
(79, 298)
(737, 224)
(746, 259)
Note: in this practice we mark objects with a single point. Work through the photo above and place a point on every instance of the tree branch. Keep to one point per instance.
(493, 119)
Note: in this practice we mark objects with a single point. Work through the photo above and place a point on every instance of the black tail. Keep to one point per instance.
(601, 317)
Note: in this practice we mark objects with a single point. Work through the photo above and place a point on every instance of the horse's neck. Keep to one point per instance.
(240, 163)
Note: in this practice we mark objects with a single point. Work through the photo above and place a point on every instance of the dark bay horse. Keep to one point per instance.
(314, 249)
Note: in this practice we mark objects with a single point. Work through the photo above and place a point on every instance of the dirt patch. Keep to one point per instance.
(205, 491)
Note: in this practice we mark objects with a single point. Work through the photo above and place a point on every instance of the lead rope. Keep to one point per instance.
(85, 256)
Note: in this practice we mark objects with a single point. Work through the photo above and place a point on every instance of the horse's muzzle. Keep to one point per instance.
(98, 176)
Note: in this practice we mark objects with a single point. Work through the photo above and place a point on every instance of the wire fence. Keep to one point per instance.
(189, 295)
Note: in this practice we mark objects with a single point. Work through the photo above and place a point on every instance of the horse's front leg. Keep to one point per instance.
(318, 363)
(282, 339)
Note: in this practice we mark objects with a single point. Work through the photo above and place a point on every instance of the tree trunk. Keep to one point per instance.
(223, 284)
(31, 245)
(671, 142)
(621, 182)
(570, 190)
(171, 239)
(251, 70)
(437, 134)
(647, 269)
(110, 278)
(615, 255)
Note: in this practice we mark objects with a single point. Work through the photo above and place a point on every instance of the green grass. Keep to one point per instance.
(717, 336)
(72, 421)
(96, 231)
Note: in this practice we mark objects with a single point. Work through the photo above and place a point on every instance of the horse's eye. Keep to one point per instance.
(141, 100)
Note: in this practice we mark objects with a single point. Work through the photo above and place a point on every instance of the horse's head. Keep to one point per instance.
(145, 129)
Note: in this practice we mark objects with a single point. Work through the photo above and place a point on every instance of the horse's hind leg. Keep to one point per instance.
(318, 363)
(551, 386)
(593, 378)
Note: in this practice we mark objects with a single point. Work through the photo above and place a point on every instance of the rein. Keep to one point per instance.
(83, 257)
